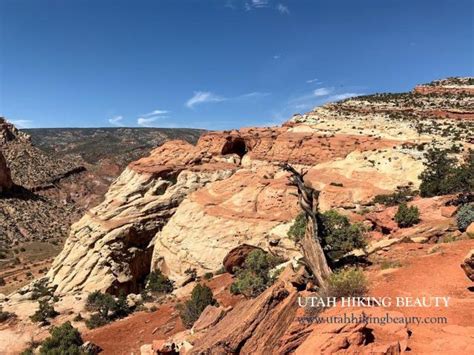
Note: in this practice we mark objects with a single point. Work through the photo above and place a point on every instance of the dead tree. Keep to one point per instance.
(312, 241)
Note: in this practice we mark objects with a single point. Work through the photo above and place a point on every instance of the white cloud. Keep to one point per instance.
(276, 56)
(255, 94)
(343, 96)
(259, 3)
(116, 120)
(322, 92)
(315, 80)
(283, 9)
(156, 113)
(201, 97)
(22, 123)
(146, 122)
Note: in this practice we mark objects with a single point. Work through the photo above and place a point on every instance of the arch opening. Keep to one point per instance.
(235, 146)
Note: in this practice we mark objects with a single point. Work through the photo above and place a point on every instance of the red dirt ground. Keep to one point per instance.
(435, 274)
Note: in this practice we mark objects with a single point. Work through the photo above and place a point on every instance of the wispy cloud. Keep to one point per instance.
(318, 93)
(156, 113)
(255, 94)
(322, 91)
(146, 122)
(201, 97)
(116, 121)
(258, 4)
(22, 123)
(315, 80)
(283, 9)
(276, 56)
(344, 96)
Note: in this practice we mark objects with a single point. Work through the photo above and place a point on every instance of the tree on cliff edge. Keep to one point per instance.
(312, 240)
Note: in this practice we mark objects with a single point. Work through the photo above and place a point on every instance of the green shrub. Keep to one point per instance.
(159, 283)
(64, 339)
(350, 282)
(465, 216)
(96, 320)
(106, 308)
(41, 289)
(208, 275)
(339, 235)
(407, 216)
(201, 297)
(254, 276)
(444, 176)
(401, 195)
(297, 230)
(44, 312)
(4, 316)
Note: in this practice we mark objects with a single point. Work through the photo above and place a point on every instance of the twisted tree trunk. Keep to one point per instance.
(312, 241)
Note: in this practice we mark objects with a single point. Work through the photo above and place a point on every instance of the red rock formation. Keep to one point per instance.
(236, 257)
(284, 145)
(254, 326)
(468, 265)
(357, 338)
(443, 90)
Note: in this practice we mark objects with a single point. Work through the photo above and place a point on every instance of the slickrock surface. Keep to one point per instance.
(108, 249)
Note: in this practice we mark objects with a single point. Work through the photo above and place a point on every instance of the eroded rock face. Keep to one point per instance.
(245, 208)
(108, 249)
(253, 326)
(5, 176)
(236, 257)
(357, 338)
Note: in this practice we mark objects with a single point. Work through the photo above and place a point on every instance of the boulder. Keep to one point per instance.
(357, 337)
(209, 317)
(236, 257)
(448, 211)
(470, 230)
(468, 265)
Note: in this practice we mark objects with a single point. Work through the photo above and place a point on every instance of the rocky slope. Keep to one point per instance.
(52, 187)
(228, 189)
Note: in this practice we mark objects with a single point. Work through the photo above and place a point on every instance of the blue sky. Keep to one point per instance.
(217, 64)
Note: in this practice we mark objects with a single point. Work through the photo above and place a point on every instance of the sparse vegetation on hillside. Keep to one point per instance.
(106, 307)
(45, 312)
(443, 175)
(4, 316)
(201, 297)
(158, 283)
(339, 235)
(297, 229)
(465, 216)
(402, 194)
(349, 282)
(254, 277)
(64, 339)
(407, 216)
